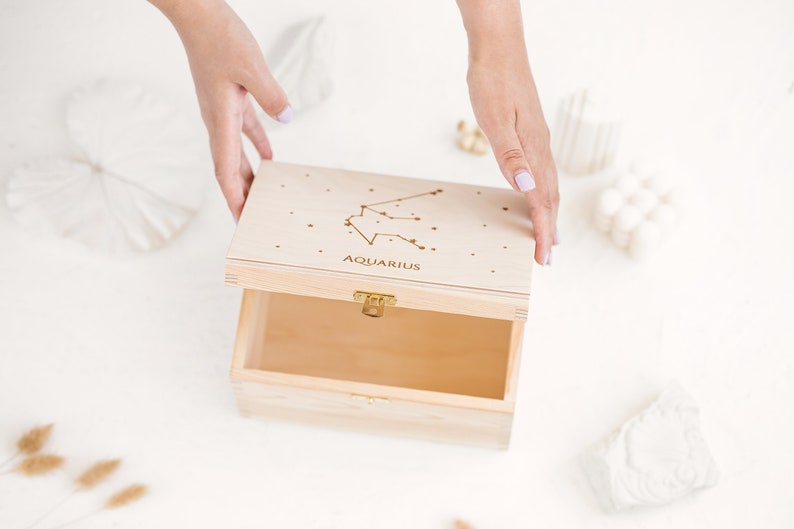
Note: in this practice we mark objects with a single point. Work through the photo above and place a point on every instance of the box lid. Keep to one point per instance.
(433, 245)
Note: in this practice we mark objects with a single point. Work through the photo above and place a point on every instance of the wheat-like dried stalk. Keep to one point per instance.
(96, 474)
(123, 497)
(38, 464)
(33, 440)
(462, 524)
(126, 496)
(93, 476)
(30, 443)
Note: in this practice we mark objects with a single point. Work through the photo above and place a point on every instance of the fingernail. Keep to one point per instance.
(556, 236)
(524, 181)
(547, 262)
(286, 115)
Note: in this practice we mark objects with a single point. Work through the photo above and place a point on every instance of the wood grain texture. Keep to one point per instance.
(326, 233)
(433, 351)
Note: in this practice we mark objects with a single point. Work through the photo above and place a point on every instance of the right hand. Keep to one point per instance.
(227, 64)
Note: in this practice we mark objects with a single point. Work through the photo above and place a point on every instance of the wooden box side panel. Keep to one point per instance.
(514, 361)
(381, 416)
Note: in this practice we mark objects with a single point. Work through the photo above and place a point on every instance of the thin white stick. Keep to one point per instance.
(7, 461)
(51, 510)
(75, 520)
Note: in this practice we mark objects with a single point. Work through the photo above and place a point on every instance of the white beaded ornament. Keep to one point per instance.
(639, 210)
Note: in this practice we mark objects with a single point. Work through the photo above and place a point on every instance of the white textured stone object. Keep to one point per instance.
(301, 61)
(136, 184)
(655, 458)
(586, 132)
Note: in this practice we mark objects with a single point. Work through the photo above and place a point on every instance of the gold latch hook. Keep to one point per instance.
(374, 303)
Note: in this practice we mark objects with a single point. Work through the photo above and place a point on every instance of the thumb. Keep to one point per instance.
(269, 94)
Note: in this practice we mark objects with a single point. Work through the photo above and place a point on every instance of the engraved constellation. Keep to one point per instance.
(371, 215)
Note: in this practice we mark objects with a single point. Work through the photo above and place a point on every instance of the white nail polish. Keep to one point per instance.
(547, 261)
(524, 181)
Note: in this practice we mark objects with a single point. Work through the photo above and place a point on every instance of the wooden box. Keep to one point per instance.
(380, 303)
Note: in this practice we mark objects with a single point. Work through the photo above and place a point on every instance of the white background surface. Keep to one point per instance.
(129, 357)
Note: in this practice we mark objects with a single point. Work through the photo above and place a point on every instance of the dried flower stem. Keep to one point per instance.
(10, 459)
(51, 510)
(30, 442)
(120, 499)
(80, 519)
(93, 476)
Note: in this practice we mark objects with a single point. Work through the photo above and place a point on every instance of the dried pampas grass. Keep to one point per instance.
(96, 474)
(39, 464)
(36, 464)
(121, 499)
(93, 476)
(33, 440)
(462, 524)
(126, 496)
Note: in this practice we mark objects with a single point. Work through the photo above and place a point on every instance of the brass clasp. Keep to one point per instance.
(374, 303)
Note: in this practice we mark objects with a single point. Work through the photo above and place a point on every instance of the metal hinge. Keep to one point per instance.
(374, 303)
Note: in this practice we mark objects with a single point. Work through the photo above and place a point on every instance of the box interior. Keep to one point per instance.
(407, 348)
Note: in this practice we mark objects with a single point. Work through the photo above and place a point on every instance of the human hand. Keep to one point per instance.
(507, 108)
(227, 64)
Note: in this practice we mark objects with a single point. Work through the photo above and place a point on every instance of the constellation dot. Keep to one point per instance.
(504, 209)
(310, 225)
